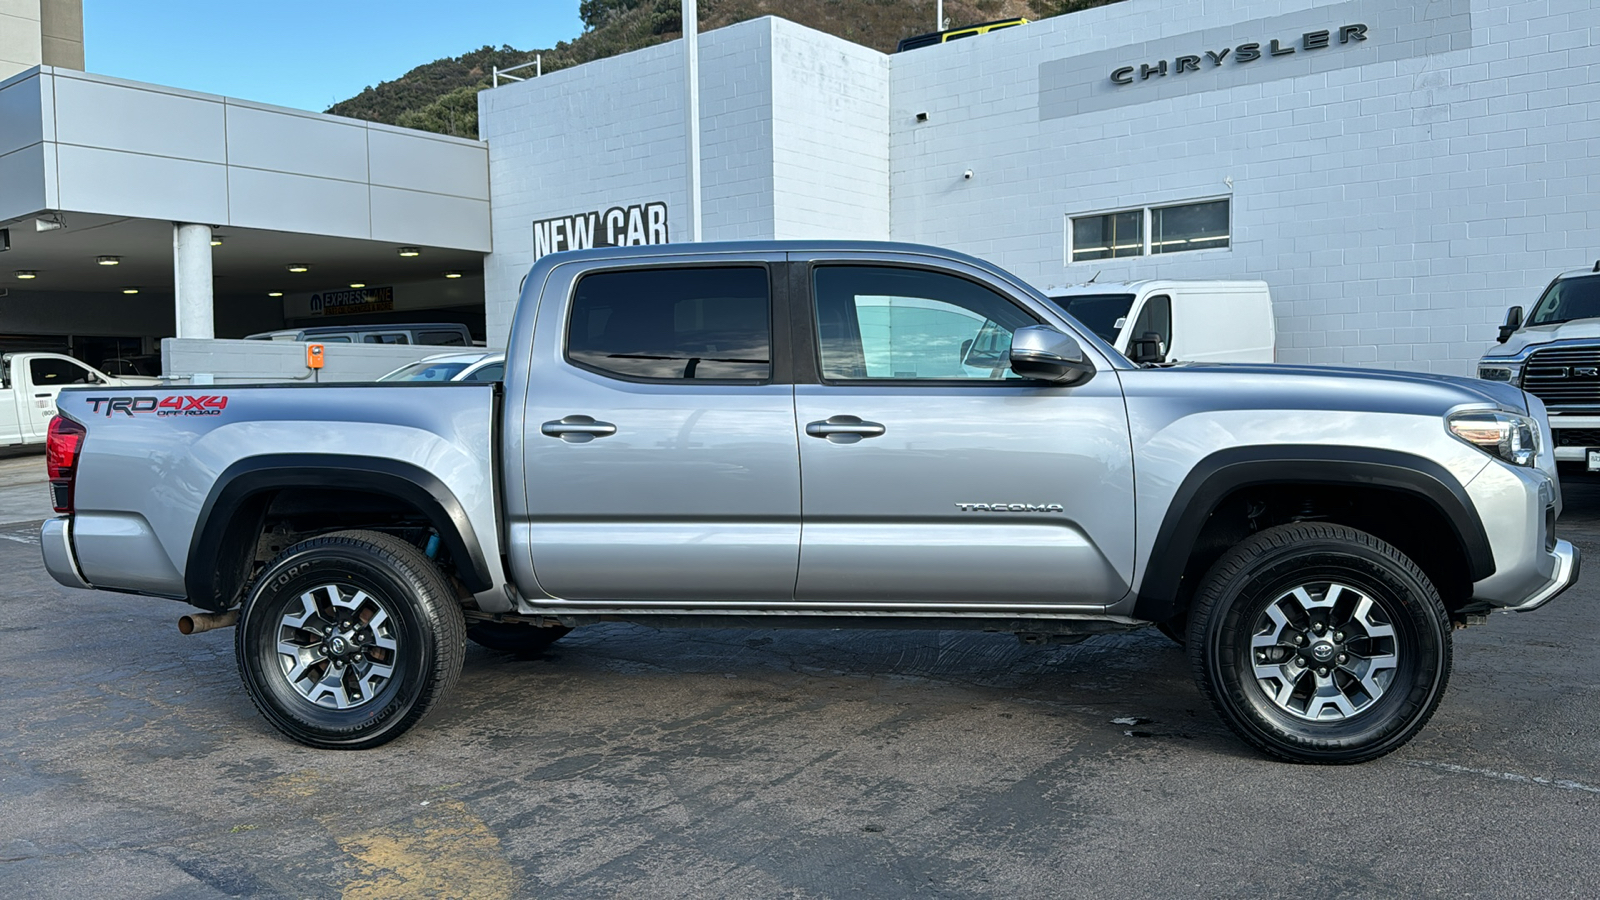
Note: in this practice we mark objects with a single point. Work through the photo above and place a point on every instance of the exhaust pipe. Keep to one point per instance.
(198, 622)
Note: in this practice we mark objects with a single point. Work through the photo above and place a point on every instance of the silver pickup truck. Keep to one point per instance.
(823, 435)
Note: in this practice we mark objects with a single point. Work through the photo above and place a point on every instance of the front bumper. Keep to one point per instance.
(1568, 564)
(1519, 507)
(1578, 452)
(55, 540)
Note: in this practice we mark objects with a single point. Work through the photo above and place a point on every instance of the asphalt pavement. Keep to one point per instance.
(723, 763)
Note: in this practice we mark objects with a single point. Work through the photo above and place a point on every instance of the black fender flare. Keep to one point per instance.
(1220, 474)
(207, 577)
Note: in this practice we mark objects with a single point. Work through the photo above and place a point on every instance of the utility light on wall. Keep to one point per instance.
(27, 274)
(216, 240)
(358, 284)
(108, 260)
(130, 290)
(298, 267)
(410, 251)
(274, 293)
(452, 274)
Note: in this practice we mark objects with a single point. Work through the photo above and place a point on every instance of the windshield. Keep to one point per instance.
(426, 371)
(1568, 299)
(1103, 314)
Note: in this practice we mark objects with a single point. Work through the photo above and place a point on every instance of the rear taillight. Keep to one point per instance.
(61, 450)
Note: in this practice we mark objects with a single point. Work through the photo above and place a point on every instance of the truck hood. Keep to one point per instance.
(1279, 386)
(1534, 335)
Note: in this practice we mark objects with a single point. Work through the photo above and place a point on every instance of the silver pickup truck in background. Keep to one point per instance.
(823, 435)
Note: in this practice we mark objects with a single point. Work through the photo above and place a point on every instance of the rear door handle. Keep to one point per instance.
(844, 429)
(577, 429)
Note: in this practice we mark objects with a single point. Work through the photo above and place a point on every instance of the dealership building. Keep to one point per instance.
(1398, 172)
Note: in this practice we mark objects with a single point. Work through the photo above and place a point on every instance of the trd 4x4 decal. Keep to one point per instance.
(172, 405)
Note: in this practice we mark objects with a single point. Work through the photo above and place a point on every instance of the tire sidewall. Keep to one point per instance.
(350, 565)
(1422, 643)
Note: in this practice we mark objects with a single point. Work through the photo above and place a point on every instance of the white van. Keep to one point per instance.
(1191, 321)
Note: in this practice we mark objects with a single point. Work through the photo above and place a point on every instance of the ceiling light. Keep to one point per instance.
(452, 274)
(130, 290)
(108, 260)
(298, 267)
(410, 251)
(216, 240)
(274, 293)
(358, 284)
(27, 274)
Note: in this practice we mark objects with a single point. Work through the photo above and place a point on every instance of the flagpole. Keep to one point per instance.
(691, 42)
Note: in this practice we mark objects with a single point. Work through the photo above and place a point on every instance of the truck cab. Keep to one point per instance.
(29, 383)
(1553, 353)
(1177, 321)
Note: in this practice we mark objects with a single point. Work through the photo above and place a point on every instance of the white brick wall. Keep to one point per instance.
(1396, 206)
(1398, 194)
(830, 161)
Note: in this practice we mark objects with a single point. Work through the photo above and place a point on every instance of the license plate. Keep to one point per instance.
(1594, 460)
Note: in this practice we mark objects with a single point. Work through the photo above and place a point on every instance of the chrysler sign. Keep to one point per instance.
(1241, 55)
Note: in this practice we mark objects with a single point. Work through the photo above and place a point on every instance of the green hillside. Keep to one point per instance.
(441, 96)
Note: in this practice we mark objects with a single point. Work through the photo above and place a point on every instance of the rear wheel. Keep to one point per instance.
(1320, 643)
(348, 640)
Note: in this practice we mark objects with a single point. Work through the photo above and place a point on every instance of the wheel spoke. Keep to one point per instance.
(1325, 695)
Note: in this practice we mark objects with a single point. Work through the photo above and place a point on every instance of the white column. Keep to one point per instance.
(191, 279)
(691, 40)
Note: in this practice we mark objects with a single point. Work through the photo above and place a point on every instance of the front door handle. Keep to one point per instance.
(844, 429)
(577, 429)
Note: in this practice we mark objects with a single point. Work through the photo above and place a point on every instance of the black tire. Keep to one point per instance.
(1284, 697)
(518, 638)
(370, 666)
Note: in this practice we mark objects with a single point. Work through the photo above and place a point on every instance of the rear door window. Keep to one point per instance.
(691, 324)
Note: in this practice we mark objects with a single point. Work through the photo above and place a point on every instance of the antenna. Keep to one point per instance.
(1097, 275)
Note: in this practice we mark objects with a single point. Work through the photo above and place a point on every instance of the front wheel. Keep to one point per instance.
(348, 639)
(1319, 643)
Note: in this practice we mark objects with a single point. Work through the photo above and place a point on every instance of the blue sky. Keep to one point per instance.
(302, 53)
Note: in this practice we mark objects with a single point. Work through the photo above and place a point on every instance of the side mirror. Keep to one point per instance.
(1045, 354)
(1147, 349)
(1513, 322)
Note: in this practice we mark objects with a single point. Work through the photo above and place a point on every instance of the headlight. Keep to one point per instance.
(1503, 373)
(1507, 436)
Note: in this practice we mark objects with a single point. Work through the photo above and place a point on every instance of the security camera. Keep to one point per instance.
(967, 174)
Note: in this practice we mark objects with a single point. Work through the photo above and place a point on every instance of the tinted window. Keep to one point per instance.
(441, 338)
(673, 324)
(1103, 314)
(1192, 226)
(386, 337)
(48, 372)
(491, 372)
(1154, 318)
(879, 322)
(1568, 299)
